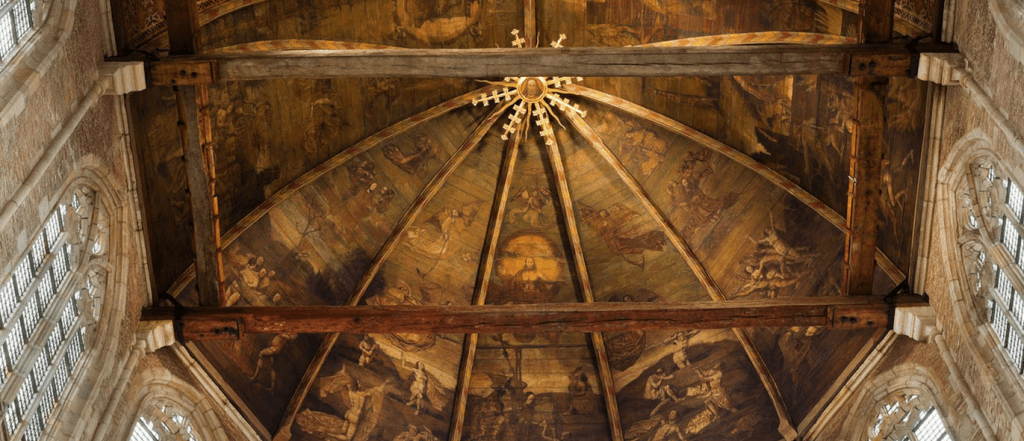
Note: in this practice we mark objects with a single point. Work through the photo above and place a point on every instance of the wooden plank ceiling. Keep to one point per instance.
(358, 252)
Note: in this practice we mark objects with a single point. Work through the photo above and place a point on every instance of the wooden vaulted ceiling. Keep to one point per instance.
(397, 195)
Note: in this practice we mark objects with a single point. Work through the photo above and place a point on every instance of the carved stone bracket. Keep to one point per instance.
(944, 69)
(916, 322)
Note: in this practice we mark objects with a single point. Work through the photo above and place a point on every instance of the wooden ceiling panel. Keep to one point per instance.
(532, 262)
(380, 387)
(629, 256)
(399, 23)
(262, 371)
(751, 236)
(809, 364)
(905, 106)
(436, 260)
(534, 387)
(700, 383)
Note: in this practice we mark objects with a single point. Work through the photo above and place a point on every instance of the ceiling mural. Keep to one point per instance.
(381, 192)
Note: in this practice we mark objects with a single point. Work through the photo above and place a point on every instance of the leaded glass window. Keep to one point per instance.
(906, 418)
(16, 20)
(992, 237)
(163, 423)
(43, 318)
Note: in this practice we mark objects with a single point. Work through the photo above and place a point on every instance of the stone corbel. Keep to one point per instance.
(123, 77)
(916, 322)
(154, 335)
(944, 69)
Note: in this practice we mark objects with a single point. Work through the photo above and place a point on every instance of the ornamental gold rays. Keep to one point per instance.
(533, 97)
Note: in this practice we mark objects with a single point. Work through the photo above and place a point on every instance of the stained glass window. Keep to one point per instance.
(163, 423)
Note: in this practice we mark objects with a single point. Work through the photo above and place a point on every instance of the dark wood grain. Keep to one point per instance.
(586, 61)
(832, 312)
(205, 235)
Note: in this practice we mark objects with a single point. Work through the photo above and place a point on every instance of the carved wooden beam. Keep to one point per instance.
(866, 149)
(194, 131)
(203, 323)
(196, 135)
(777, 59)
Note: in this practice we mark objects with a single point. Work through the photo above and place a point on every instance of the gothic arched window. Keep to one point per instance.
(163, 422)
(48, 308)
(904, 417)
(990, 222)
(17, 19)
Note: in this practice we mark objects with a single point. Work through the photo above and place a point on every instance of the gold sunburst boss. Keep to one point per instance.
(532, 97)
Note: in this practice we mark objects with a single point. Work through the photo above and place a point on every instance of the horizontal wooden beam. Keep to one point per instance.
(777, 59)
(205, 323)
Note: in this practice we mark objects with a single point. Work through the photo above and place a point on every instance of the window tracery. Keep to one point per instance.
(163, 423)
(991, 206)
(47, 309)
(17, 19)
(907, 418)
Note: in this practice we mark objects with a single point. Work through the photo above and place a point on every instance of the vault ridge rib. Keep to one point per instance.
(483, 277)
(421, 201)
(229, 236)
(786, 427)
(597, 341)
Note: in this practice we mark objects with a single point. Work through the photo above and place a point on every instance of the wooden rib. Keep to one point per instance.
(530, 22)
(786, 427)
(483, 279)
(708, 142)
(284, 431)
(604, 371)
(645, 199)
(309, 177)
(421, 201)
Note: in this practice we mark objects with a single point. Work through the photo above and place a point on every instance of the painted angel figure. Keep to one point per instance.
(441, 230)
(425, 392)
(362, 409)
(367, 348)
(624, 239)
(681, 340)
(533, 203)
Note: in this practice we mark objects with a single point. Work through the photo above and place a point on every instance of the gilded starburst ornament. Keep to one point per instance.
(531, 97)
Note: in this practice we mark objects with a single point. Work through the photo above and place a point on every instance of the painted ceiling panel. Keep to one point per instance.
(534, 387)
(694, 385)
(376, 387)
(533, 260)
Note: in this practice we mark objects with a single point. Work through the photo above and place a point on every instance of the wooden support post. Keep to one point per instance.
(199, 171)
(846, 312)
(866, 158)
(183, 26)
(789, 59)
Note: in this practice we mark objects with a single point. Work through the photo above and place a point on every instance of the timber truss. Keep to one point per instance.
(872, 61)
